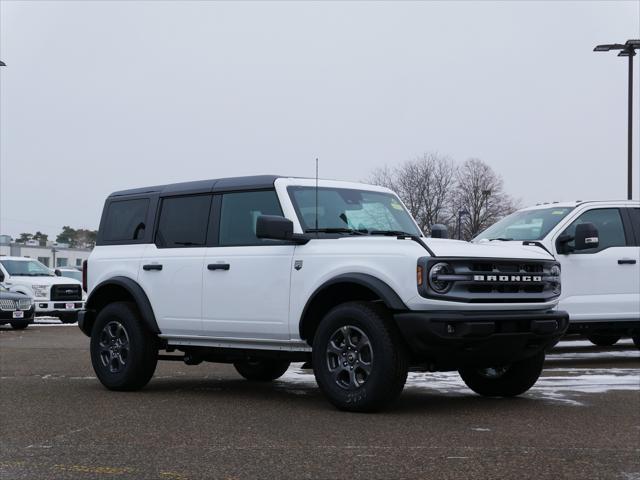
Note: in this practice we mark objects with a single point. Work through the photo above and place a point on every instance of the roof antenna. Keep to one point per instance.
(316, 228)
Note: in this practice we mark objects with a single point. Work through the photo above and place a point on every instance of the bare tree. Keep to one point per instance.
(425, 185)
(479, 198)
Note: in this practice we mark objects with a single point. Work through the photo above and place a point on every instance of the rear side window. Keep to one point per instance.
(125, 220)
(239, 213)
(183, 221)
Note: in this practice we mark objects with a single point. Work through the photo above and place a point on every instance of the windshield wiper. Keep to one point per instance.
(391, 233)
(349, 231)
(500, 239)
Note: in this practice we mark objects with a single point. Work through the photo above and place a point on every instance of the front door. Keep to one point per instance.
(246, 279)
(602, 283)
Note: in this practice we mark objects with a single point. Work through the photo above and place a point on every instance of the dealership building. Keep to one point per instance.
(52, 254)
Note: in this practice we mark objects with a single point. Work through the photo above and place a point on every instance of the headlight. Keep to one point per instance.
(556, 284)
(40, 291)
(436, 284)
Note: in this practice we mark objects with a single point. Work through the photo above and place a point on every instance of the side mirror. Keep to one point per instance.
(1, 277)
(439, 231)
(562, 244)
(57, 272)
(275, 227)
(586, 236)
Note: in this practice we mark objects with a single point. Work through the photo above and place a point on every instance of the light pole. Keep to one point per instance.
(627, 49)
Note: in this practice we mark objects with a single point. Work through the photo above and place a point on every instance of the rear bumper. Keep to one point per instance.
(450, 340)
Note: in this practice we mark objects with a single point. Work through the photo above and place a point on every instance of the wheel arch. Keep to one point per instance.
(118, 289)
(343, 288)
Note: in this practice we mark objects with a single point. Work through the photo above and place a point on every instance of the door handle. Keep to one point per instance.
(626, 261)
(153, 266)
(218, 266)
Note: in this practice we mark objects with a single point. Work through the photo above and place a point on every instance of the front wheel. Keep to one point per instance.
(358, 357)
(504, 381)
(123, 353)
(262, 370)
(68, 317)
(603, 340)
(19, 325)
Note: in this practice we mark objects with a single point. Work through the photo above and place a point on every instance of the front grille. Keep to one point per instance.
(66, 292)
(6, 304)
(494, 281)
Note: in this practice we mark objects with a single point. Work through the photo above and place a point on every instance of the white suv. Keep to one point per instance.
(601, 281)
(262, 271)
(53, 295)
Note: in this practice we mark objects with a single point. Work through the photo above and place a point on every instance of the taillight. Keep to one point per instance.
(85, 265)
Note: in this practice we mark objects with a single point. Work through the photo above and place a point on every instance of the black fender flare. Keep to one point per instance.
(387, 294)
(137, 293)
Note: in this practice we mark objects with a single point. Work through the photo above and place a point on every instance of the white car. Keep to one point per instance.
(262, 271)
(53, 295)
(601, 283)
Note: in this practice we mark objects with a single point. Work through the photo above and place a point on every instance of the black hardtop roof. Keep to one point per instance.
(253, 182)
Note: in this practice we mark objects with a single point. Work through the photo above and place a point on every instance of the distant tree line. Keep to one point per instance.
(75, 238)
(466, 198)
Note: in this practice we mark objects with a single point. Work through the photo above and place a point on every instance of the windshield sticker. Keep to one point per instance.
(396, 205)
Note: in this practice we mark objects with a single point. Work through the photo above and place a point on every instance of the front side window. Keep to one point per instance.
(76, 275)
(26, 268)
(239, 213)
(526, 224)
(345, 208)
(125, 220)
(610, 228)
(183, 221)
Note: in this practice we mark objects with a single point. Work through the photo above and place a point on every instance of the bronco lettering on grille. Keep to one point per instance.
(507, 278)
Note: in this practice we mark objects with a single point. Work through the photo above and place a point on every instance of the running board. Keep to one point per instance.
(242, 343)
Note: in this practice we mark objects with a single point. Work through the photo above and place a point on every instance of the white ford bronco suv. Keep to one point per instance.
(601, 279)
(53, 295)
(262, 271)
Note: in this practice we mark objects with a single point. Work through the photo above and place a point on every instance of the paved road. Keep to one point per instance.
(582, 420)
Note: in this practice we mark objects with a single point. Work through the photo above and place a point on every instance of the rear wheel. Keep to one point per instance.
(123, 353)
(603, 340)
(504, 381)
(262, 370)
(358, 358)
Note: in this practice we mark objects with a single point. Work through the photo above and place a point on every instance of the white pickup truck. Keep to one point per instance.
(53, 295)
(601, 284)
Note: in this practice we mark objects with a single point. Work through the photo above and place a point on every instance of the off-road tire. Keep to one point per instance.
(603, 340)
(516, 379)
(262, 370)
(388, 359)
(142, 352)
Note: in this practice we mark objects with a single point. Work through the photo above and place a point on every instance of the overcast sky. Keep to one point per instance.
(101, 96)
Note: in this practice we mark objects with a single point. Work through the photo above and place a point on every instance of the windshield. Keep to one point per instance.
(26, 268)
(343, 209)
(75, 274)
(525, 225)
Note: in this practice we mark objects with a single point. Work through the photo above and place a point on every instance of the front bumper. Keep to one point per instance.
(450, 340)
(6, 316)
(50, 307)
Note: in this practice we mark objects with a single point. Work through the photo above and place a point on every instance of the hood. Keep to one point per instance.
(16, 279)
(5, 295)
(459, 248)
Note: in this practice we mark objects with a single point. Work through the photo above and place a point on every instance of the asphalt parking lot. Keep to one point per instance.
(582, 420)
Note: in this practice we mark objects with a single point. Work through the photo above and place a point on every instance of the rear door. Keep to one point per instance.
(246, 279)
(602, 283)
(171, 270)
